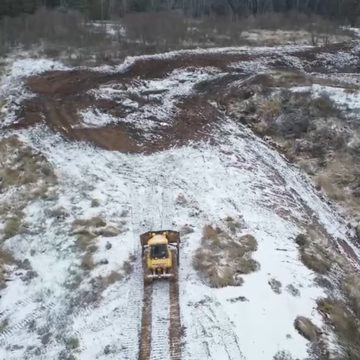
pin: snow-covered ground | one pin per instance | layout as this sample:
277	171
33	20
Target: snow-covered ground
343	98
161	93
238	176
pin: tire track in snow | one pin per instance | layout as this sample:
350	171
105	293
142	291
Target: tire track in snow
20	325
160	321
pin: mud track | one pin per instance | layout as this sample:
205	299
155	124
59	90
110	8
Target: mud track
60	97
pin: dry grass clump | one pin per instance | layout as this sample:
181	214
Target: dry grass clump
112	278
291	289
3	325
87	262
127	267
12	226
94	222
222	259
307	329
313	256
186	229
234	225
87	232
289	78
85	239
336	179
316	262
345	325
101	283
5	259
181	200
270	109
326	183
301	240
95	202
283	355
275	285
325	105
28	175
95	226
84	229
212	234
21	165
351	287
72	343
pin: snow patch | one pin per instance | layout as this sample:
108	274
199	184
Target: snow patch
95	118
343	98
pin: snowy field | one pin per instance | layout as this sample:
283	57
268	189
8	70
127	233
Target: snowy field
238	176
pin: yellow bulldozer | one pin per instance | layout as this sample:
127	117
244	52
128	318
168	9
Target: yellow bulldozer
160	251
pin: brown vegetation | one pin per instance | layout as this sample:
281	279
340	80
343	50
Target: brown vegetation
12	226
312	132
223	258
314	255
275	285
87	262
345	324
72	343
5	259
307	329
282	355
23	165
23	169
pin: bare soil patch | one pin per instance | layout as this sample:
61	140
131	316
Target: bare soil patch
62	95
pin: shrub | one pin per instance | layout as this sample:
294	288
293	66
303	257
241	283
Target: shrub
326	183
113	277
316	262
3	325
345	324
307	329
128	267
301	240
12	227
282	355
186	229
5	259
95	202
87	262
275	285
210	233
72	343
325	105
95	222
351	287
291	289
270	109
221	259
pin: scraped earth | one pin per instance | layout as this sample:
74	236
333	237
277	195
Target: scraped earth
149	145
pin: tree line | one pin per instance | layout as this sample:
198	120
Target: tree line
343	10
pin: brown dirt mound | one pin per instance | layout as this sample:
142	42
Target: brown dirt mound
61	95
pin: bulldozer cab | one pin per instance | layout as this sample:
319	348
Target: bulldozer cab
159	251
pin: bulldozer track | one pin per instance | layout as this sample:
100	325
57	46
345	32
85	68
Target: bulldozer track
161	327
145	336
175	323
